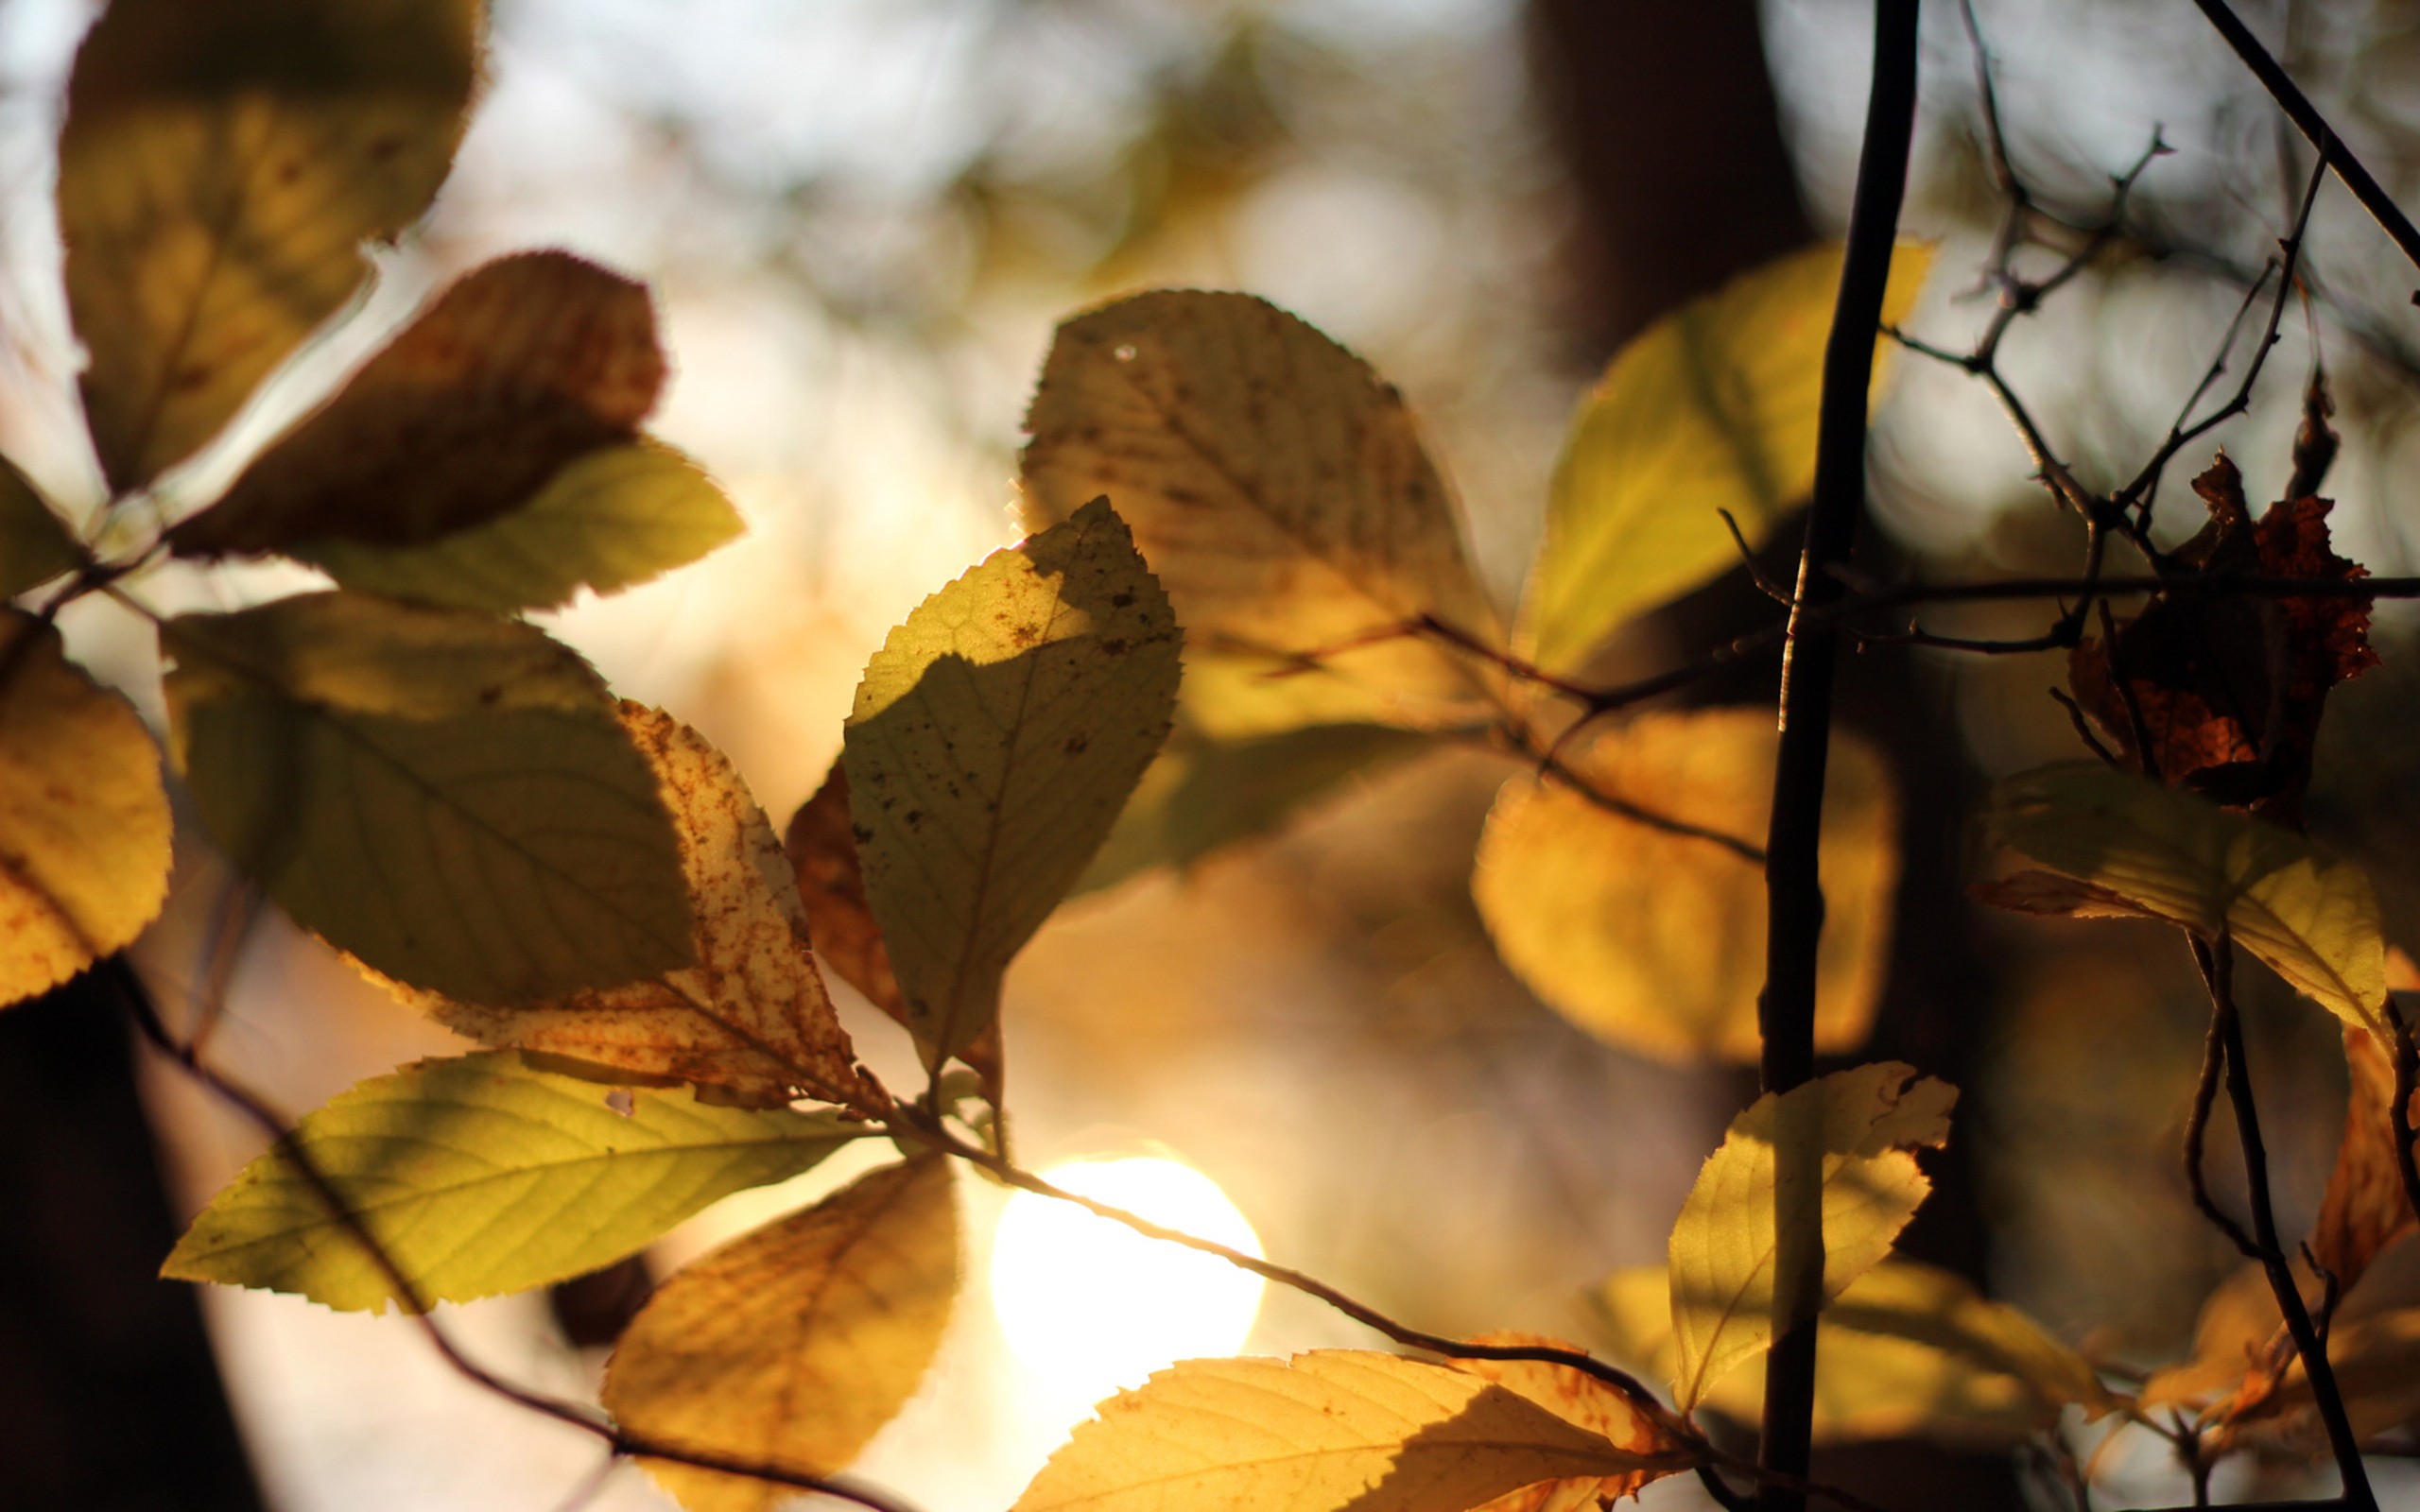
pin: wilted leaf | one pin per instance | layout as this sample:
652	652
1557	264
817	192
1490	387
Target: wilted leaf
446	794
35	546
220	168
616	516
1278	488
2365	1205
1711	408
482	1175
793	1344
83	821
1580	1399
822	849
1654	941
1204	794
1906	1351
1862	1124
1320	1433
522	365
2118	844
751	1019
995	736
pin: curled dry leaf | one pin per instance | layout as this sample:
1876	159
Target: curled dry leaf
822	849
1576	1397
751	1022
1859	1128
84	823
2365	1206
792	1344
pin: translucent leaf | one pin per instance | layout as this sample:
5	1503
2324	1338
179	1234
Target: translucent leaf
1711	408
994	738
221	166
522	365
1861	1123
1576	1398
751	1019
823	847
446	794
1329	1430
83	821
35	545
482	1175
2115	845
2364	1206
1205	794
793	1344
1277	486
1906	1351
616	516
1655	941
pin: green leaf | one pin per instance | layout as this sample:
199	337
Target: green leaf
522	365
446	794
994	738
1655	940
793	1345
1204	794
221	166
2115	845
616	516
1858	1128
484	1174
35	544
1711	408
84	823
1278	488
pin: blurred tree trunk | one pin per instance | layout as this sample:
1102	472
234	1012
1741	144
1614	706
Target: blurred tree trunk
1666	119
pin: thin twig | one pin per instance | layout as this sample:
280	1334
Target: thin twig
2197	1131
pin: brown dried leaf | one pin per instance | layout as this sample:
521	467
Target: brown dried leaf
1580	1399
2365	1205
822	842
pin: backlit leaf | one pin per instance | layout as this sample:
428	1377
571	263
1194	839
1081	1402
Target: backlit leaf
793	1344
35	545
221	166
616	516
1278	488
483	1174
2115	845
1654	941
2364	1206
994	738
751	1019
1860	1125
1320	1433
1576	1398
822	849
1711	408
446	794
83	821
522	365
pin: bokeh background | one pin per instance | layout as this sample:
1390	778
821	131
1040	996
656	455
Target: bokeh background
861	220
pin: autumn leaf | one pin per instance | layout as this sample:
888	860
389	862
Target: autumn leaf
1576	1398
1279	489
751	1022
1329	1430
2364	1206
522	365
482	1175
792	1344
1711	408
2114	845
220	168
35	545
1654	941
994	738
822	851
1862	1125
447	796
84	823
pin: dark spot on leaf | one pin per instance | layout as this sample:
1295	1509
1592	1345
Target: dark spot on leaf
1076	745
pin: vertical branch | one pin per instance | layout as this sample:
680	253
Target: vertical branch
1794	898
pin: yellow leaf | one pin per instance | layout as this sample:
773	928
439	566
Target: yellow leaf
1576	1397
751	1019
35	546
794	1343
1861	1124
1329	1430
1278	486
83	821
2119	845
994	738
522	365
1654	941
1713	407
220	168
445	794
